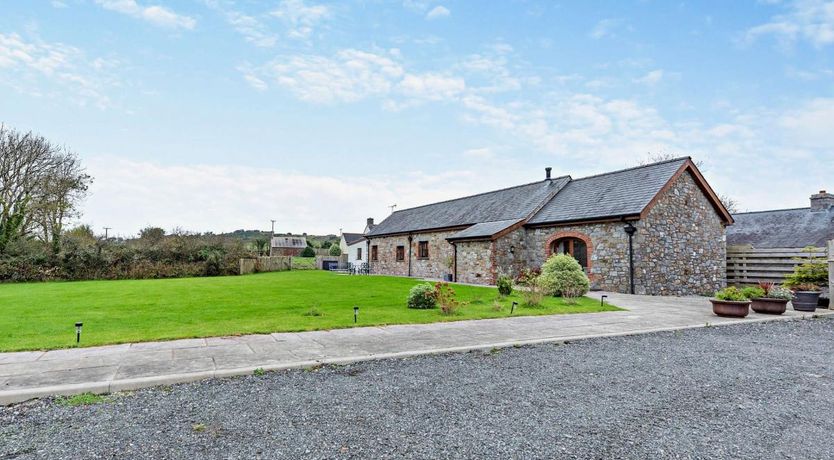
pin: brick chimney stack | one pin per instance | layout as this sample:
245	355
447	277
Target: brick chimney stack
822	201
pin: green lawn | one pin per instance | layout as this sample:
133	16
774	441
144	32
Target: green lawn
42	315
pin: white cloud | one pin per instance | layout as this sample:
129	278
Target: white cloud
28	64
437	12
651	78
605	28
349	76
811	125
480	153
253	30
301	19
431	86
126	195
811	20
156	15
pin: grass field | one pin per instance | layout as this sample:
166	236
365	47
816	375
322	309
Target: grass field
41	315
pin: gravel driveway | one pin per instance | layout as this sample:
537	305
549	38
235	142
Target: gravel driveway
750	391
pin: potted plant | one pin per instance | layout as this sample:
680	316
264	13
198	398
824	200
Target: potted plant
805	281
450	264
730	302
768	298
806	296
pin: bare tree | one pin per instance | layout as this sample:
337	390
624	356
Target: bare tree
41	185
730	203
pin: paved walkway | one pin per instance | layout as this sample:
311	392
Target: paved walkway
27	375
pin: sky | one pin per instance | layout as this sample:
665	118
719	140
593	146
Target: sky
216	115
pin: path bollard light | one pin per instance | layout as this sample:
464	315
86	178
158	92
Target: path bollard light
512	308
355	313
78	332
602	300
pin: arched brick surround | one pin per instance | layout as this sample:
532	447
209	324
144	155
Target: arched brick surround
578	235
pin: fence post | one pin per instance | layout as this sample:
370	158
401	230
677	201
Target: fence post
831	267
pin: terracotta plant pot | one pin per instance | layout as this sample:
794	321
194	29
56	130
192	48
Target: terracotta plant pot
806	300
769	306
730	309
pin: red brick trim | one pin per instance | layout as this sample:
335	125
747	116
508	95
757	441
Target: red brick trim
570	234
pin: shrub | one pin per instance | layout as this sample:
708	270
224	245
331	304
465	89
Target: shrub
505	285
568	284
731	294
445	296
813	271
563	276
335	250
753	292
526	276
422	297
533	292
779	292
308	252
561	263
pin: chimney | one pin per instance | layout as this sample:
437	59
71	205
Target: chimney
547	172
822	201
370	222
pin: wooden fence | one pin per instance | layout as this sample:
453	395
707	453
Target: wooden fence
746	265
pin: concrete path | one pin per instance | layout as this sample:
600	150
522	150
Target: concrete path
27	375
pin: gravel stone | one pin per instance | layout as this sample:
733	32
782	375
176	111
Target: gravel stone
753	391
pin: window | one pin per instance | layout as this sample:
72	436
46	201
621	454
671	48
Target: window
573	246
374	253
358	253
400	253
423	250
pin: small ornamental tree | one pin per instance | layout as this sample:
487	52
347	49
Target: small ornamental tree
335	250
308	252
563	276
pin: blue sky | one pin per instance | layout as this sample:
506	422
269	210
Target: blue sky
220	114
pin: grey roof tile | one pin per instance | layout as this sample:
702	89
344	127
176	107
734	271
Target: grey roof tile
506	204
617	193
484	229
351	238
785	228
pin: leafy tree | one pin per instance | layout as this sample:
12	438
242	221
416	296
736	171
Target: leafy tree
335	250
308	252
152	234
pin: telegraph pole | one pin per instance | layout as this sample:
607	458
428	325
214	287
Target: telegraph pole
271	236
392	207
106	232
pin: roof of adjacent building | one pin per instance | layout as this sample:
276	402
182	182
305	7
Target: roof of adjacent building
615	194
289	242
484	229
618	194
783	228
352	238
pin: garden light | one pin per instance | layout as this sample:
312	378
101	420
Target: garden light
512	308
355	313
78	332
602	300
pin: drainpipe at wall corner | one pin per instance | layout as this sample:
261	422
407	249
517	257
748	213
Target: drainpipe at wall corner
368	255
410	238
455	262
630	229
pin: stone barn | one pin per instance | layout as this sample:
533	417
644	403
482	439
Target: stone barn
657	229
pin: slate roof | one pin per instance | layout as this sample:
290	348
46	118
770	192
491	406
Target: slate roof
611	195
351	238
289	242
785	228
619	193
484	229
505	204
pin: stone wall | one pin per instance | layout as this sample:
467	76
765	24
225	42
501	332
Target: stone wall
509	256
435	266
680	247
607	251
475	262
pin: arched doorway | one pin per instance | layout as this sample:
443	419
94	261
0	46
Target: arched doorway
572	246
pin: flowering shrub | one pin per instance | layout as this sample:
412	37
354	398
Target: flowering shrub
422	297
445	297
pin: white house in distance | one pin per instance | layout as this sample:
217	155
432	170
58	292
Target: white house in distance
355	245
